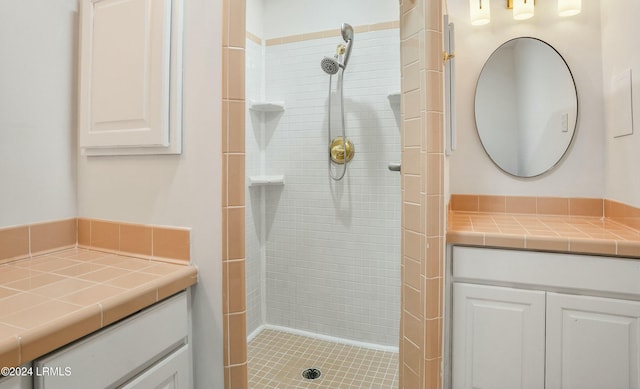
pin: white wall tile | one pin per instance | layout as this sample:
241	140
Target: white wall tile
254	90
333	248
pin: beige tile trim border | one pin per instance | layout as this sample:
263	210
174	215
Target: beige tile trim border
254	38
167	244
622	213
325	34
25	241
561	206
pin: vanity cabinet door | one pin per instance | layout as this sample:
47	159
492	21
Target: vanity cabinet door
170	373
16	382
592	342
498	337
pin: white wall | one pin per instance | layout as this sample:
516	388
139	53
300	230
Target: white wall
255	17
581	173
620	31
179	190
293	17
37	110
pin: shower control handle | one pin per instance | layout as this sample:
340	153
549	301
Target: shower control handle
395	166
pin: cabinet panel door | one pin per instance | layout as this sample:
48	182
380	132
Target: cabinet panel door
126	58
498	337
17	382
170	373
130	77
592	342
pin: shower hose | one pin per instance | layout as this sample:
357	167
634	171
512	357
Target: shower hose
337	177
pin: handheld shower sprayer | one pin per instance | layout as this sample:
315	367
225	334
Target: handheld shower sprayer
330	65
341	149
347	35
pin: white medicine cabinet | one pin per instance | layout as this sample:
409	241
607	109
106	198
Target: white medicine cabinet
130	98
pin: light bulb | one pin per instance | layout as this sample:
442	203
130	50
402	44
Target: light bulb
479	12
569	7
522	9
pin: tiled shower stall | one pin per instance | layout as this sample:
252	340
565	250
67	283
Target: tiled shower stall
323	255
421	183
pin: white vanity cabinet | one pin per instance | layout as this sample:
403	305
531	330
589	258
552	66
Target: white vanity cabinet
170	373
17	382
498	337
150	349
592	342
524	319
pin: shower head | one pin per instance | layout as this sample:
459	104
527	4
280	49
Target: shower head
330	65
347	35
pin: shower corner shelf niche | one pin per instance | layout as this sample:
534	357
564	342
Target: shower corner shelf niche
263	180
267	106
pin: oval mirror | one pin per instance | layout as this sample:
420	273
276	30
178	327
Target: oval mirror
526	107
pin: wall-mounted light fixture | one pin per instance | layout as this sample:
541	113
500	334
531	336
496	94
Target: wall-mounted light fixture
522	9
480	10
569	7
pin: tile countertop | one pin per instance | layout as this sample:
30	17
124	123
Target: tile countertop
51	300
571	234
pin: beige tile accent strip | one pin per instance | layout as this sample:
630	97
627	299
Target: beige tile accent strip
51	300
326	33
50	236
170	244
254	38
34	239
14	243
568	206
622	213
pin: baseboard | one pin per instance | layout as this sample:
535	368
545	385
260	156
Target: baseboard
371	346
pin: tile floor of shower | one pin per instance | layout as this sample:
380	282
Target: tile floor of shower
277	360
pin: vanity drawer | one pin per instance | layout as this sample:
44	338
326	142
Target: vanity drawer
114	355
547	270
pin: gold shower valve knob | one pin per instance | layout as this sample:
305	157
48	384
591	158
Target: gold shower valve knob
337	150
